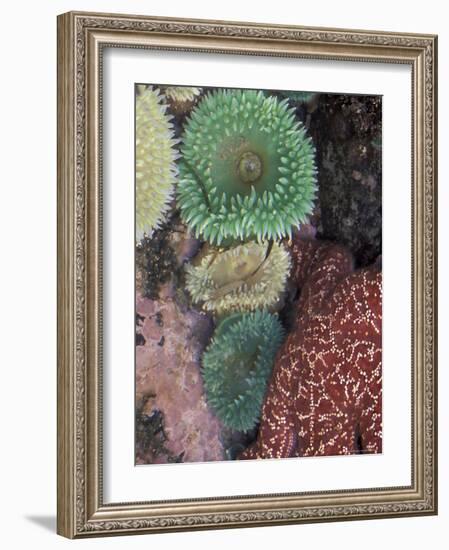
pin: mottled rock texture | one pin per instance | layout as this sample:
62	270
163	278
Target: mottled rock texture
347	133
174	420
325	394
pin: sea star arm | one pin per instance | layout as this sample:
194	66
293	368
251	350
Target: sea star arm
277	437
325	394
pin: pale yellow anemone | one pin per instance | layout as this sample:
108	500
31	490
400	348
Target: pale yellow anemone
156	153
243	278
182	93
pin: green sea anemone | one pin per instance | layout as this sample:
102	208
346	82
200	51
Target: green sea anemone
237	365
156	153
299	97
182	94
243	278
248	169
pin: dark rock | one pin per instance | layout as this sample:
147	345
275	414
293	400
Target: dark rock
347	132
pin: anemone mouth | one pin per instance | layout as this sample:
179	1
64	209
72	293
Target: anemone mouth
231	268
248	168
241	161
243	278
237	365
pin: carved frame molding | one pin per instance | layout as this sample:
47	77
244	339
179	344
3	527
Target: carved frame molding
81	39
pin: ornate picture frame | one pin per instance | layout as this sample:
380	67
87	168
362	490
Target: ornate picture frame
82	39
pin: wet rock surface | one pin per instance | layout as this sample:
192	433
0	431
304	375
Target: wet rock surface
174	422
347	133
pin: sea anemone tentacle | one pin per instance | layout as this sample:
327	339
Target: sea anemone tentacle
242	278
248	168
156	153
182	94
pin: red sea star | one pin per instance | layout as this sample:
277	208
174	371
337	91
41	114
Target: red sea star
325	394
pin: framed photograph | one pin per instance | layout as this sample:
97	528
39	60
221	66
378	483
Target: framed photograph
246	274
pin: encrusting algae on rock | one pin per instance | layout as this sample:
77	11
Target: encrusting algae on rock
170	341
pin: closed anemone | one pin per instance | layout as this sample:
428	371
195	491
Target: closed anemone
243	278
248	168
237	364
156	153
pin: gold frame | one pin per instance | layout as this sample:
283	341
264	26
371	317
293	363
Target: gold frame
81	38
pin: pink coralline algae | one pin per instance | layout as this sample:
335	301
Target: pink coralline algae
325	394
170	340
